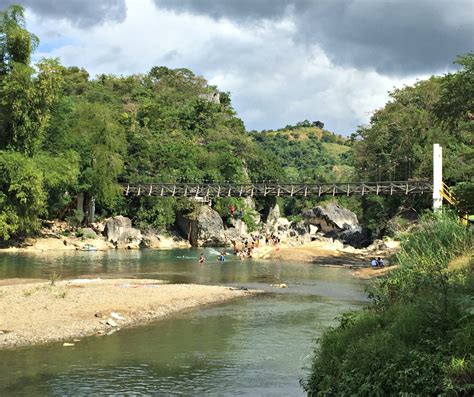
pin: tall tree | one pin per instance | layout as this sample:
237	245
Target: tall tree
26	94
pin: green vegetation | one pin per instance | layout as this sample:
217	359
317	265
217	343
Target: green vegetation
417	336
68	141
67	138
307	153
398	142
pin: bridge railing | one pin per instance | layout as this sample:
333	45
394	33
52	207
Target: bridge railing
210	190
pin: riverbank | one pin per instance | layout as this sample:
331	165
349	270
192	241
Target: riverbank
38	312
326	253
53	242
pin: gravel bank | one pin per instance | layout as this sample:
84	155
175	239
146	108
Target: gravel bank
34	313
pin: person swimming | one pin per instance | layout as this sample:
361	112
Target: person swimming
202	259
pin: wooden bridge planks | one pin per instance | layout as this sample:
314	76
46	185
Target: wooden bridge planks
213	190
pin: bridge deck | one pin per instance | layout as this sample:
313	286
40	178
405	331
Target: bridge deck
211	190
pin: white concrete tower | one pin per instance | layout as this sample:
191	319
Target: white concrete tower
437	176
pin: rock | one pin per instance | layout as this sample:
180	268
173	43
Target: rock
98	227
151	240
377	245
273	214
332	217
117	316
232	234
338	223
203	228
130	239
66	344
115	227
111	322
313	230
213	97
88	232
240	226
282	285
301	228
282	224
249	202
120	232
98	315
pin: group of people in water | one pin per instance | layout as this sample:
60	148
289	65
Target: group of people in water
377	262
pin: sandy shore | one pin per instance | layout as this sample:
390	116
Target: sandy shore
37	312
314	252
72	243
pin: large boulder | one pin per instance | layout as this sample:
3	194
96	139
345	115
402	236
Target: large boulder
115	226
119	231
202	228
338	223
130	239
331	217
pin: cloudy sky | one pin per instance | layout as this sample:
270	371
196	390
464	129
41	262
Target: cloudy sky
282	60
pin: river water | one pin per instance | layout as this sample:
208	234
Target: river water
256	346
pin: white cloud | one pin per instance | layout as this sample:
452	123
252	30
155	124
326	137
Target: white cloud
273	80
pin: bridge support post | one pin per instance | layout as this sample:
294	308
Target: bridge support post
437	176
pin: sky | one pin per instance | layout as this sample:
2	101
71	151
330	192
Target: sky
283	61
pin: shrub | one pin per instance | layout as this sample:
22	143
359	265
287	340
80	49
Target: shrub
417	336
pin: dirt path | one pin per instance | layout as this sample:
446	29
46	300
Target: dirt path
36	312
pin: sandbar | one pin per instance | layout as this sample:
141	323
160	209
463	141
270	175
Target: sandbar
38	312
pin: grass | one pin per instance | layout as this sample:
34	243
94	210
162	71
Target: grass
417	336
53	278
462	261
335	149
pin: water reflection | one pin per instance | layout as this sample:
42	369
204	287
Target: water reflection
253	346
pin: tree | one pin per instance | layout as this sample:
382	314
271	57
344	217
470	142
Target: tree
16	43
26	95
100	143
22	197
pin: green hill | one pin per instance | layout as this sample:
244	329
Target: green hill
308	153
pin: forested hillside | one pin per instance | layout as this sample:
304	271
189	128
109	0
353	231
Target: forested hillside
66	135
68	139
307	152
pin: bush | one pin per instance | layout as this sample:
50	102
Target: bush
417	336
75	219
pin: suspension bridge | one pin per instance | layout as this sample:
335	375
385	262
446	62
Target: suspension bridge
276	189
207	191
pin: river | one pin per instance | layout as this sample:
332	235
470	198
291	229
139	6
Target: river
257	346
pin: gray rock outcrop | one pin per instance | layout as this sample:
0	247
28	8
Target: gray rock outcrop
331	217
273	214
203	228
119	231
130	239
213	97
115	226
337	222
